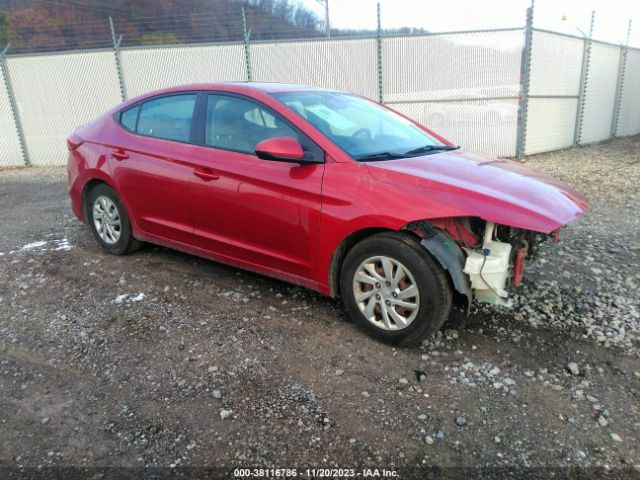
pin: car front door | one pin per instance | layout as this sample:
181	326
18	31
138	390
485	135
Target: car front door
146	164
262	214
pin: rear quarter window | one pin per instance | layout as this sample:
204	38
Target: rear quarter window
129	117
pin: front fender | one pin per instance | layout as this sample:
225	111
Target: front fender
447	253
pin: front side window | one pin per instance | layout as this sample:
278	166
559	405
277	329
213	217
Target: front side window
236	124
361	128
168	117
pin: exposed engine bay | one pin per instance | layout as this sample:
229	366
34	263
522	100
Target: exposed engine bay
499	260
494	259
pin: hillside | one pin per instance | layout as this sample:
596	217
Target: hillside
45	25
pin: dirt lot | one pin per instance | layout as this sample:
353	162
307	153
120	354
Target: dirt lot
160	359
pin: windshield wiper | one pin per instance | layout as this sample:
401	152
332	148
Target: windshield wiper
431	148
372	157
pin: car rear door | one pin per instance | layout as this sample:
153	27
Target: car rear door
147	165
262	214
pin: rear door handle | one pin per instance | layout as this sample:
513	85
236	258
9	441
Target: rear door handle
206	176
119	155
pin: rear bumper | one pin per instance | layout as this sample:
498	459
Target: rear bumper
75	187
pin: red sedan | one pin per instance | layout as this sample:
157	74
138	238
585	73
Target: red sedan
324	189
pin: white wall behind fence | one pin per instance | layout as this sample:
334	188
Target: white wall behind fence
58	93
556	64
550	124
482	126
600	94
347	65
455	84
556	67
629	120
448	66
10	153
147	69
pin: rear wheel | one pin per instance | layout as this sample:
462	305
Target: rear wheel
109	221
393	289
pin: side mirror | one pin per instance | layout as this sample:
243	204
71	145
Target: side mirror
283	149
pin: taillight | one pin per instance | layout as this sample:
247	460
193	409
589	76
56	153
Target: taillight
74	141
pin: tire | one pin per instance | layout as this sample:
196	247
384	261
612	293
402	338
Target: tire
457	319
432	303
102	198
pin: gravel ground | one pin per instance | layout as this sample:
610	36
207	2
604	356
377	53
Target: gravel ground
162	360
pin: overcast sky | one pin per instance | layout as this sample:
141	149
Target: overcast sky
612	16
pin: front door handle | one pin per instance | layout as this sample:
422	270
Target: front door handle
119	155
206	176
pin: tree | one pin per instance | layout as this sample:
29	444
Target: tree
4	29
40	25
157	39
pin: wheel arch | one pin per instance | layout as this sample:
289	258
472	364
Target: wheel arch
446	251
341	251
100	178
440	245
88	186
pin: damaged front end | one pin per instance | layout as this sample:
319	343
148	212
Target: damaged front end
500	261
483	259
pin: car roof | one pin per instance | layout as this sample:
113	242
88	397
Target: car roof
247	88
270	87
237	87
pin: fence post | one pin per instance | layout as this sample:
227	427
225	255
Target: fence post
247	49
584	78
525	71
624	52
379	55
116	53
14	106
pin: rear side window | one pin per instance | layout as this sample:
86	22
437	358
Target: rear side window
129	117
169	117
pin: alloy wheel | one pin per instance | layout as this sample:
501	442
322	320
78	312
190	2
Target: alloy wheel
106	219
386	293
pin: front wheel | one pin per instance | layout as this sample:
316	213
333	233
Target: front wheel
393	289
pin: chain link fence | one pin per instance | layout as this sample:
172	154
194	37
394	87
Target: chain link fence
146	69
10	150
506	92
348	65
629	119
464	85
554	90
600	94
56	93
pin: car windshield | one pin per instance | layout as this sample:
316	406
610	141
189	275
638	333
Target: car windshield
363	129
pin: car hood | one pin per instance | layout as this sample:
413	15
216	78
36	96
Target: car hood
498	190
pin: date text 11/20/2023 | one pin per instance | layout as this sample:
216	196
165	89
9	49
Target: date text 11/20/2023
314	473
